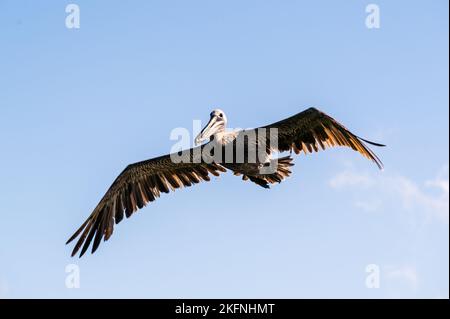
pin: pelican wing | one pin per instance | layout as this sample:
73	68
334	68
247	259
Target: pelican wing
311	130
137	185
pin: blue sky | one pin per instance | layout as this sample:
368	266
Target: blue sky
78	105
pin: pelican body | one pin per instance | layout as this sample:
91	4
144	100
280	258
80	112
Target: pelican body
247	153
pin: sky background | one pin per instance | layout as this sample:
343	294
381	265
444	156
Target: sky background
78	105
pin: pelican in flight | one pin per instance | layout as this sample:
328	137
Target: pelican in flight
140	183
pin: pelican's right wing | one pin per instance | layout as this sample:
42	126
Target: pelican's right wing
137	185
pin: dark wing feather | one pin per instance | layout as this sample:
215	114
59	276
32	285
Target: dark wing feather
312	130
137	185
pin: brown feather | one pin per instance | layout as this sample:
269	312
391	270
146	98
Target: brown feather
311	129
137	185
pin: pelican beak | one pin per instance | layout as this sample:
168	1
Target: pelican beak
209	130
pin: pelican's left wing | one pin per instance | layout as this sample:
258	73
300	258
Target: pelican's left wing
137	185
312	129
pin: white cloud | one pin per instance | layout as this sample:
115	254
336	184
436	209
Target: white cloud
349	178
441	181
430	197
368	206
404	275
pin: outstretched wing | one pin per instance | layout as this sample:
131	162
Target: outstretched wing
312	129
137	185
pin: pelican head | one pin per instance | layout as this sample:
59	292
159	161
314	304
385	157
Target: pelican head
217	124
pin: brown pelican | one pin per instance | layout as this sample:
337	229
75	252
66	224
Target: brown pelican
144	181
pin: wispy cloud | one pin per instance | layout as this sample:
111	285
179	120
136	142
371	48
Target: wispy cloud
430	197
441	180
404	275
368	206
351	179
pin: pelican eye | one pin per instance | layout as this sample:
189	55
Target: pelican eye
220	115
